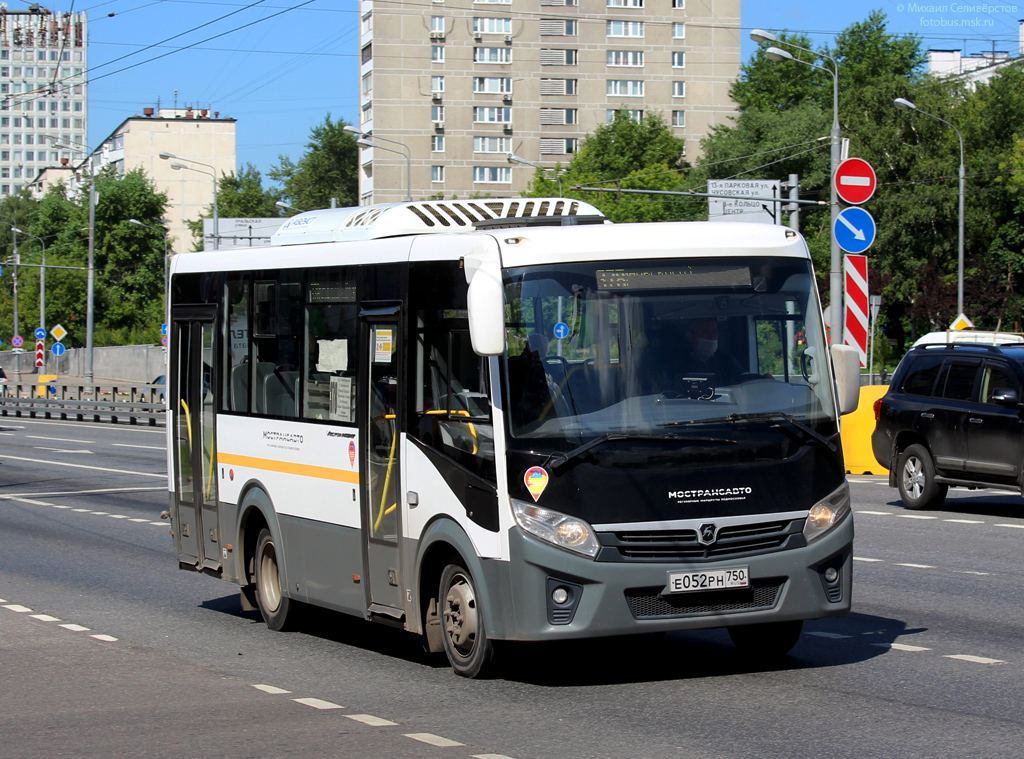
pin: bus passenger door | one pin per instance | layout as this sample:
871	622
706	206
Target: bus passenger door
197	531
381	511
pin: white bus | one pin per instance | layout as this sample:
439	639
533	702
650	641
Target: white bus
492	420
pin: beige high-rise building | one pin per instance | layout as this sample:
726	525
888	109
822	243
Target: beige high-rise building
450	88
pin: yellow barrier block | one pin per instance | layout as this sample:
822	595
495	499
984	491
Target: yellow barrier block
44	388
856	433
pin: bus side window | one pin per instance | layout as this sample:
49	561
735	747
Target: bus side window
235	395
332	326
277	348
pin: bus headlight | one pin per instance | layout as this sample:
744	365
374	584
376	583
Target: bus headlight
558	529
827	513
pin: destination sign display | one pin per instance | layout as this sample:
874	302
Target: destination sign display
673	278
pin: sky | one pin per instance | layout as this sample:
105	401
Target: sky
279	66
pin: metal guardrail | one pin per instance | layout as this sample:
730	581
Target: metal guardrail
84	402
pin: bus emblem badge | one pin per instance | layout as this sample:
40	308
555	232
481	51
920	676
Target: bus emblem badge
536	480
707	533
352	452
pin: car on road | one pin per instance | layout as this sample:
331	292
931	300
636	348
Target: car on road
953	417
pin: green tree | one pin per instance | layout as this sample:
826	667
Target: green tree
18	210
239	196
328	169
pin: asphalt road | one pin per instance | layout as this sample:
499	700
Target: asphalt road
106	649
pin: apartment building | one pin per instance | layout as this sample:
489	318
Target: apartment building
449	88
43	64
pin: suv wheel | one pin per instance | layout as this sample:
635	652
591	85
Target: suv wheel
915	478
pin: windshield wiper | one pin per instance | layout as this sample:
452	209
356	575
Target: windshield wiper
558	459
765	416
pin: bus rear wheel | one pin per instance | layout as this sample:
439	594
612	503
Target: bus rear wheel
768	640
469	651
275	607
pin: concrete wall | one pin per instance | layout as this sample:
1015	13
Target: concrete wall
131	363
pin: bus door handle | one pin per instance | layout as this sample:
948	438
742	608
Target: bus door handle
975	420
413	499
926	415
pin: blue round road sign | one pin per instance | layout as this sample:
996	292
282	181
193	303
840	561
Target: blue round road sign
854	230
58	349
40	333
561	330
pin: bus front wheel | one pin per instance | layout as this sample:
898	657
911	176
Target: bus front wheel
469	650
768	640
275	607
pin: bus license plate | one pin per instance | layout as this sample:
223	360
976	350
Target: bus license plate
712	579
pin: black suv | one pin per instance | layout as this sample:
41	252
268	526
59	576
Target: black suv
952	417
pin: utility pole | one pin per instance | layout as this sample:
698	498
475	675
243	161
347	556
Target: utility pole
794	205
91	279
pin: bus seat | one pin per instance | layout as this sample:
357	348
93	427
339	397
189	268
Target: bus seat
240	387
280	393
263	369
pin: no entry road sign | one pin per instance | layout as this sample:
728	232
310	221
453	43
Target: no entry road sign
855	181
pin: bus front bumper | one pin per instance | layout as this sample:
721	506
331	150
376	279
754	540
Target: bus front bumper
621	598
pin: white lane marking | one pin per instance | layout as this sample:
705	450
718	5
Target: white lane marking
1015	526
433	740
45	618
875	513
105	638
100	513
490	756
833	636
915	566
864	558
974	659
58	506
147	447
317	703
369	719
901	647
78	426
158	524
914	516
138	519
79	492
118	516
273	690
58	439
964	521
75	628
7	434
18	608
967	572
3	600
31	501
83	466
80	510
64	450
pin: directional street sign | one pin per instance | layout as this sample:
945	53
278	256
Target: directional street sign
855	181
17	342
40	333
163	330
58	349
854	230
40	352
59	333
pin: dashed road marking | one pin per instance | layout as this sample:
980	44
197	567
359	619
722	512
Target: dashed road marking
974	659
147	447
271	689
964	521
875	513
104	638
100	513
915	516
18	608
45	618
865	558
118	516
968	572
369	719
901	646
915	566
490	756
91	467
138	519
58	439
75	628
1015	526
833	636
317	703
433	740
158	524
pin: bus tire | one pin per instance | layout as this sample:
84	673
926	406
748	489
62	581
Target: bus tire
275	607
466	645
768	640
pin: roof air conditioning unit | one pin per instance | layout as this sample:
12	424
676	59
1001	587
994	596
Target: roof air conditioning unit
437	35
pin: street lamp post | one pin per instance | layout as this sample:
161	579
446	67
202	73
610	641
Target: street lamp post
42	278
213	173
513	158
908	106
363	138
167	259
835	274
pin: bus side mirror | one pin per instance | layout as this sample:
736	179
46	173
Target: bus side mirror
846	363
486	307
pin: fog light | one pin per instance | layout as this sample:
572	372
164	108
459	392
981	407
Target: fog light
560	596
831	574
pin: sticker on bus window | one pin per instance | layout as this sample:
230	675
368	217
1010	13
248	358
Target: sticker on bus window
536	480
341	399
383	345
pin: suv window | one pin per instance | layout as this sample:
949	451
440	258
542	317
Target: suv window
996	376
921	375
959	380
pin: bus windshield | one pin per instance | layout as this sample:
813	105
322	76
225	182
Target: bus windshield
662	348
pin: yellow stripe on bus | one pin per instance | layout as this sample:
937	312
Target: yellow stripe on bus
307	470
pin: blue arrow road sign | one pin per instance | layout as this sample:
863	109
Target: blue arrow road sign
163	329
561	330
58	349
854	230
40	333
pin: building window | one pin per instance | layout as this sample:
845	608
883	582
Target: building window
678	30
635	114
368	84
678	118
678	60
437	143
493	85
366	113
437	84
631	58
366	54
492	55
492	25
367	23
557	57
493	2
632	88
624	28
492	144
437	173
678	89
558	145
558	27
437	113
492	174
625	3
555	116
437	53
679	4
557	86
437	24
489	114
